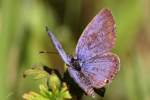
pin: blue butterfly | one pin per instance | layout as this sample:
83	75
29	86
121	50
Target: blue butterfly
94	65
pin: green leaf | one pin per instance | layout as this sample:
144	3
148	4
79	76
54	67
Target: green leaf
54	82
37	72
64	91
33	96
55	90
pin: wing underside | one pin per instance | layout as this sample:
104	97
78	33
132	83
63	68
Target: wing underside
58	47
98	36
82	81
101	69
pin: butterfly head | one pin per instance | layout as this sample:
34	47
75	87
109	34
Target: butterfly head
75	63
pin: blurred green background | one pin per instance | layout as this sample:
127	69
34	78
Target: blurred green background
22	36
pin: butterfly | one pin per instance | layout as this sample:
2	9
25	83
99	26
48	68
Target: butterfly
94	65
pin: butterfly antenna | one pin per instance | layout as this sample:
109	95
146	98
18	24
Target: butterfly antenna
47	52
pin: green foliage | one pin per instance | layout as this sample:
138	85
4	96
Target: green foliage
37	72
55	89
45	94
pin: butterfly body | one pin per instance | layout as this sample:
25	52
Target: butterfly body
75	63
94	65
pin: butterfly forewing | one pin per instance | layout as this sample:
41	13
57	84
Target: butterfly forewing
59	48
101	69
98	36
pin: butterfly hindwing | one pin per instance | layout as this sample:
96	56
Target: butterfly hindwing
101	69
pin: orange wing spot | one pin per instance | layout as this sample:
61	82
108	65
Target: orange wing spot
106	81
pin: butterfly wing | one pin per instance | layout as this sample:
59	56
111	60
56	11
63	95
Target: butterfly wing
59	48
98	36
82	81
101	69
